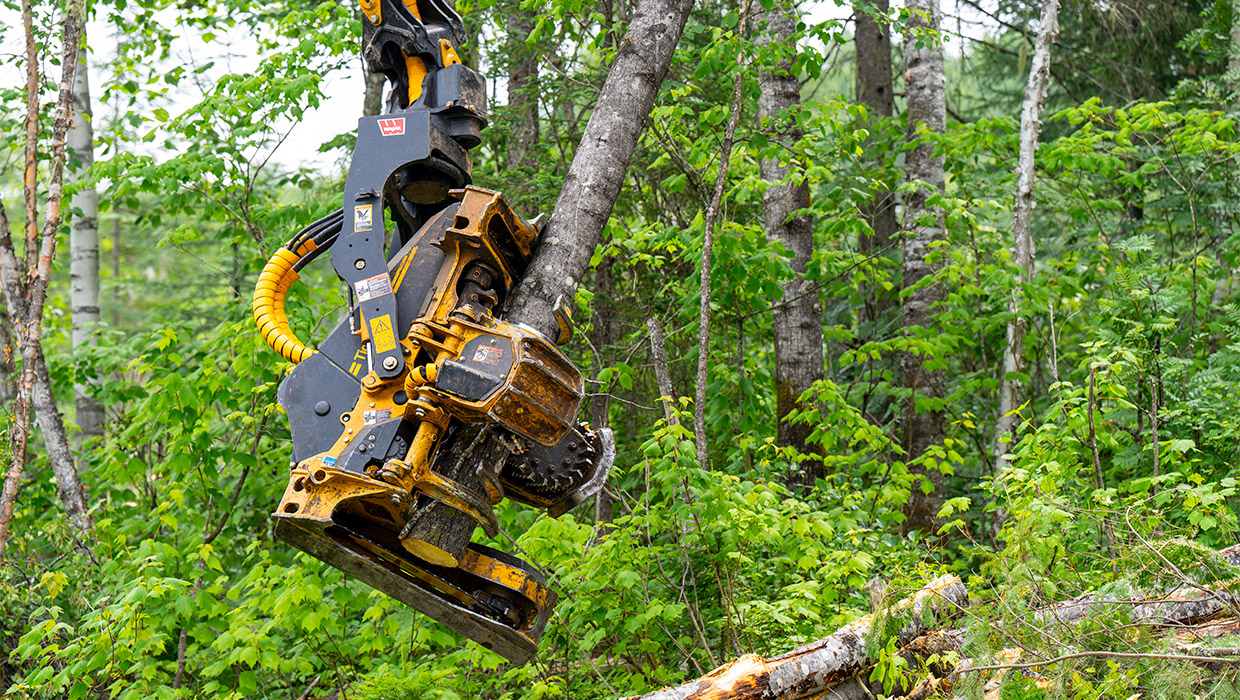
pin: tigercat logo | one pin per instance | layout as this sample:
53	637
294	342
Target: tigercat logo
392	127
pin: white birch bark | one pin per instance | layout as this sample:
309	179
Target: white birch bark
84	244
1023	245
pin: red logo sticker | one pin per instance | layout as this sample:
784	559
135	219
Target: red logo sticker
392	127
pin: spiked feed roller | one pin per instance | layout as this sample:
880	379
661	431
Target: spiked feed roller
423	407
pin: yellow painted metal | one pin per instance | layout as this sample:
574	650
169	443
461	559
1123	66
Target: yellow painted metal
448	53
484	230
314	496
416	69
372	10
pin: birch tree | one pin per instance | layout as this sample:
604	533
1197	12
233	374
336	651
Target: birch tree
24	281
84	243
922	419
797	321
1023	244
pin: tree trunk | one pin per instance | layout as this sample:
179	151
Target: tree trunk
598	169
522	98
823	668
1233	56
56	441
372	98
662	377
797	320
602	159
874	90
923	224
8	369
1023	246
24	282
84	246
602	337
708	244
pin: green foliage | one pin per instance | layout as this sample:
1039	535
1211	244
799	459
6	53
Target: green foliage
1132	314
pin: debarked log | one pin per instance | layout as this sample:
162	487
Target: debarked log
810	670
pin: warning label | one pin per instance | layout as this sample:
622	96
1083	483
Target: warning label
372	287
374	416
363	217
489	355
382	335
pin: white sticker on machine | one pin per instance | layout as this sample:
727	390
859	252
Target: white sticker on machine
488	355
372	287
372	417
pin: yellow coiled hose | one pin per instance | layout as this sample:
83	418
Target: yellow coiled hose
269	294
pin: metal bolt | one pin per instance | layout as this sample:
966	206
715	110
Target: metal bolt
389	363
372	404
374	19
359	264
349	431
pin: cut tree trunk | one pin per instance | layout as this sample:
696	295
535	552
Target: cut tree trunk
923	226
797	319
874	90
84	246
597	172
810	670
1023	245
601	161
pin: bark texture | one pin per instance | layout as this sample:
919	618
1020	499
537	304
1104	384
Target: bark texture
84	245
923	233
836	667
598	168
596	173
1233	57
372	98
874	89
663	377
1022	231
828	664
797	319
24	282
56	442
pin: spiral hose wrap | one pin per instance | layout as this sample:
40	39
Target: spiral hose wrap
269	295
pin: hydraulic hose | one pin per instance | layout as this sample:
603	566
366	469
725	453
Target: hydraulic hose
269	295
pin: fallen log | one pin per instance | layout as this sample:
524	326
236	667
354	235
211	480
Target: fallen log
811	669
